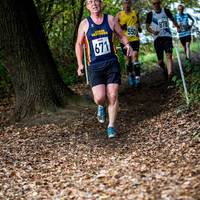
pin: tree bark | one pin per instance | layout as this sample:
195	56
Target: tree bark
27	58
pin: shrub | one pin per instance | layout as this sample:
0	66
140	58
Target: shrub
68	74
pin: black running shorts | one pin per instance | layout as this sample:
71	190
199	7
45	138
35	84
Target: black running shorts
104	73
163	44
185	39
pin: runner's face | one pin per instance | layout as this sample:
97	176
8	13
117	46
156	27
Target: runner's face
127	6
94	6
156	5
180	9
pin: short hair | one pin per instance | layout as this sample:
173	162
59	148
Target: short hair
126	1
181	5
156	0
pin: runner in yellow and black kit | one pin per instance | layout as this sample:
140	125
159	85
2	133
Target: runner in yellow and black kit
129	22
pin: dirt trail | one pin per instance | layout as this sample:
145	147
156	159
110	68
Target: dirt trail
155	156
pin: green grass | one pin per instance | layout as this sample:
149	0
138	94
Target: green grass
195	46
149	62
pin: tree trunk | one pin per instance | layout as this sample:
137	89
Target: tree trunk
27	57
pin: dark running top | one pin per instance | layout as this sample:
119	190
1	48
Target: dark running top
99	42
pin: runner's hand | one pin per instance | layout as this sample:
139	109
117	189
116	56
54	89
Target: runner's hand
178	28
190	27
129	50
80	70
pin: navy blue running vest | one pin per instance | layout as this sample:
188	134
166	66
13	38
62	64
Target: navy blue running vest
99	42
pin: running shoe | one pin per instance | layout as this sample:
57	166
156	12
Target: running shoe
137	81
101	114
131	80
111	132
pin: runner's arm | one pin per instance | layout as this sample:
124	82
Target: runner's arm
139	25
117	17
122	37
171	17
189	16
148	23
79	47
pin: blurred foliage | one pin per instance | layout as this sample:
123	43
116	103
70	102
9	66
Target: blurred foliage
192	74
69	76
60	19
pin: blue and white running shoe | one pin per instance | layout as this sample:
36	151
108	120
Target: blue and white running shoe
131	80
111	132
137	81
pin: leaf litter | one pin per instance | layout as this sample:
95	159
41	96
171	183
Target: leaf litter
155	156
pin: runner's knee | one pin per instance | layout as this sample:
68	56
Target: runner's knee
99	99
112	97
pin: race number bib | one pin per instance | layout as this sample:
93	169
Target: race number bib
163	23
101	46
132	31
